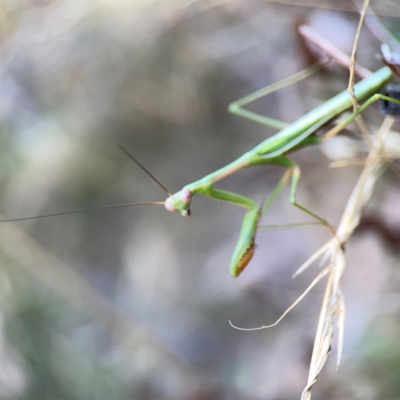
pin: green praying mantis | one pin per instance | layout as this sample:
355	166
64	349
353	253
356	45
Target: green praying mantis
272	151
275	150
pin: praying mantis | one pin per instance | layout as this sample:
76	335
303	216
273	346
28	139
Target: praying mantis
275	151
272	151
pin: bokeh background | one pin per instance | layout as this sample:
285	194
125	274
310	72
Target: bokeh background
134	303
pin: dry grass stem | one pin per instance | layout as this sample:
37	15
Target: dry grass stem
293	305
352	79
334	305
355	162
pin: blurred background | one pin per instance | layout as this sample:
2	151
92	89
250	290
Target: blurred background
134	303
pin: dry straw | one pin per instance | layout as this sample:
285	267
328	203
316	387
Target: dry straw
333	306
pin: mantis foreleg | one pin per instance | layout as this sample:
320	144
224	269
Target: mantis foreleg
244	249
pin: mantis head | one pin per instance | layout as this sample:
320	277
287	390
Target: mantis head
180	202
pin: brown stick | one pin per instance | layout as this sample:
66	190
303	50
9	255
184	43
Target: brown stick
331	50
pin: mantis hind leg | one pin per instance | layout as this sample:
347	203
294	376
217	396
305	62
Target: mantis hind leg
237	106
294	172
295	182
290	173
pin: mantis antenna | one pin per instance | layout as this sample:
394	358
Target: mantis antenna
101	207
145	170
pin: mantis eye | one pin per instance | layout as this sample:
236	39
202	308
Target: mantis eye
186	196
168	205
387	107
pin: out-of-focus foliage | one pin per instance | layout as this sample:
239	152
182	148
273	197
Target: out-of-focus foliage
134	303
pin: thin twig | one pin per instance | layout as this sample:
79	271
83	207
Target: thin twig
352	79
